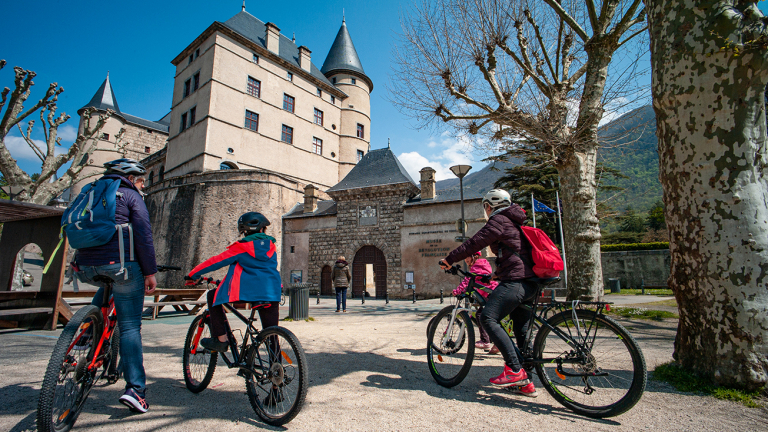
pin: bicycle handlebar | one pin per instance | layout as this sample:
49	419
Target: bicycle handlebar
201	280
454	270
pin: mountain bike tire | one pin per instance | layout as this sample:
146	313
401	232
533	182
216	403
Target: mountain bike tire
613	352
57	374
199	367
448	365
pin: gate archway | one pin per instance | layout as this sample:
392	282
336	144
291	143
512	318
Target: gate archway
326	284
369	255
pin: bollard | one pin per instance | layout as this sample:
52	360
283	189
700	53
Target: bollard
386	298
363	297
318	297
414	296
441	296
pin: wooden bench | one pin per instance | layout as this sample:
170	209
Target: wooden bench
178	298
644	286
547	296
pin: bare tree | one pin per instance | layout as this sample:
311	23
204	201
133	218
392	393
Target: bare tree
42	190
533	77
709	61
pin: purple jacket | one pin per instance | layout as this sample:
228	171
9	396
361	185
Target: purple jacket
129	208
502	233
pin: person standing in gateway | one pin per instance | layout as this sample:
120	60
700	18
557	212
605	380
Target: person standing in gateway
341	278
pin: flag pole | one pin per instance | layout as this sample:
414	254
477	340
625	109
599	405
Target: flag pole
562	239
533	208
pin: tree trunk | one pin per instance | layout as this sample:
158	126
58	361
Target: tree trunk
708	95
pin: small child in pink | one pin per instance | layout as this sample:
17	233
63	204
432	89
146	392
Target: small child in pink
479	266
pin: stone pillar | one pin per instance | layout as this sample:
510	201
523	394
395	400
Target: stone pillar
427	183
310	198
305	58
273	38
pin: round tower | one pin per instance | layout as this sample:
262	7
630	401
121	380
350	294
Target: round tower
343	68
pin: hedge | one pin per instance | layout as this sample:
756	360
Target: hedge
634	246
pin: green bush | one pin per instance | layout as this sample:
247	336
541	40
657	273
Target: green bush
634	246
622	238
686	381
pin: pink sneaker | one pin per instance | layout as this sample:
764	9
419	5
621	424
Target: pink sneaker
483	345
526	390
509	377
493	350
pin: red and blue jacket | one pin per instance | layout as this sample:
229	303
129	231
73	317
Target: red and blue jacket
252	274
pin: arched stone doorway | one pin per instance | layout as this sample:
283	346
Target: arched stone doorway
369	255
326	284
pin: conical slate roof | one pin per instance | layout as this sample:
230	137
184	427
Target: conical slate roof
377	168
342	56
104	98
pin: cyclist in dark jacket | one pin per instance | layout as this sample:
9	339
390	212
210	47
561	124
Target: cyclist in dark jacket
128	289
341	277
514	265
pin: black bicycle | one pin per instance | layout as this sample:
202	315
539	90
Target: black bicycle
587	361
272	362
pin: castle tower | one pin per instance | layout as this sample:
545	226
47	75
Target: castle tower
342	66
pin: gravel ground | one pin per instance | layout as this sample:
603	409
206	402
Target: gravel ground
368	372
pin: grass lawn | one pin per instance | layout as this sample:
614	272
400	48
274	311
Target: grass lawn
642	313
685	381
659	292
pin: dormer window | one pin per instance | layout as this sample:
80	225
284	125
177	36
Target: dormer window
290	76
256	59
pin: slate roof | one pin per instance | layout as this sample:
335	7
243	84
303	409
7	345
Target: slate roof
105	99
377	168
255	30
324	208
342	57
447	195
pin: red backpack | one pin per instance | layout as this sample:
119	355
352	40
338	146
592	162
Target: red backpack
547	262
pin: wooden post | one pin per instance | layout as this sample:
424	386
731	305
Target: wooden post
60	306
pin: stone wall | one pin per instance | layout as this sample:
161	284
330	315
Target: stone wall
631	267
195	216
140	142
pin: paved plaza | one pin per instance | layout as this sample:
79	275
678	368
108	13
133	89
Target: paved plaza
368	372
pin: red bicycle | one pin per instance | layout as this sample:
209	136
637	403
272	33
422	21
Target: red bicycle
86	352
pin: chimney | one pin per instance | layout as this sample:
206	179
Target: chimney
310	198
273	38
305	58
427	183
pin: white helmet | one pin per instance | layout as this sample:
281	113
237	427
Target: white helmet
497	198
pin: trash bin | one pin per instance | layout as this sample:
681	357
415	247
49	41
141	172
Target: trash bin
298	306
615	285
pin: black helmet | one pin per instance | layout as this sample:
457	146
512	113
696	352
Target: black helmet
252	222
125	166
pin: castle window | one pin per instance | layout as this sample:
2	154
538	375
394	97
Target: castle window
360	131
254	87
151	177
288	102
287	135
317	145
318	117
227	166
289	75
333	99
293	249
197	82
251	120
197	53
105	136
256	59
319	92
354	81
183	123
187	87
334	80
191	57
192	115
360	155
147	149
161	174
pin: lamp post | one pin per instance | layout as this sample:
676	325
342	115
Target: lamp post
460	171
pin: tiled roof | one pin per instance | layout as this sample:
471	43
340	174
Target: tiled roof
342	57
377	168
105	99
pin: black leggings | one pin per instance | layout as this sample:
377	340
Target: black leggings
269	316
503	301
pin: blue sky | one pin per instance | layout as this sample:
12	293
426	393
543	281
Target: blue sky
135	41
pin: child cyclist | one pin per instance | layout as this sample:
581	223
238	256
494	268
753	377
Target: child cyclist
514	266
252	277
478	265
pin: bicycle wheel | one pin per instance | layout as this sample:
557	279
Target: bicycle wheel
450	348
282	299
605	349
198	367
67	381
277	393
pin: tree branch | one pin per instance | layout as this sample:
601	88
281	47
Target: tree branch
627	21
537	31
641	31
28	139
592	14
568	19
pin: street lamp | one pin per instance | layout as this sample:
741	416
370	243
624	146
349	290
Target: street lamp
460	171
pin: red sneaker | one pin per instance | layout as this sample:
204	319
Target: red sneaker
526	390
509	377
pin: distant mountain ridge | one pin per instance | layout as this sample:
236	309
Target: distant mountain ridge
477	183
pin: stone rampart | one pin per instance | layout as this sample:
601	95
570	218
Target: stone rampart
631	267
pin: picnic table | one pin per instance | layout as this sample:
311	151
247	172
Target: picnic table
178	298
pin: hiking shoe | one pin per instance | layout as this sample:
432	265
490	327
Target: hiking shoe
337	311
527	390
483	345
214	344
135	401
509	377
493	350
273	398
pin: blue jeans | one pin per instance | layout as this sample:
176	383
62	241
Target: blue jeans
341	298
128	295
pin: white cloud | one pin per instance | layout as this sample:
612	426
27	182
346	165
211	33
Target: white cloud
448	151
68	133
20	149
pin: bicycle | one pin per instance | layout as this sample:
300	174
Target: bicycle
587	361
272	361
89	341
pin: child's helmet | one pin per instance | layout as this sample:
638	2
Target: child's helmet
497	198
252	222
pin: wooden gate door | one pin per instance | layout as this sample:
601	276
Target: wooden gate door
369	255
326	284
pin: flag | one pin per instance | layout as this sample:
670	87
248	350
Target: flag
539	207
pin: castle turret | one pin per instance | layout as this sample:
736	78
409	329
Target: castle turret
343	68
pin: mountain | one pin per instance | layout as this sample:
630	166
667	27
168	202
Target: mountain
476	183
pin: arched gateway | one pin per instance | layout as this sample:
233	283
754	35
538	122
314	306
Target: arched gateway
326	284
375	257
